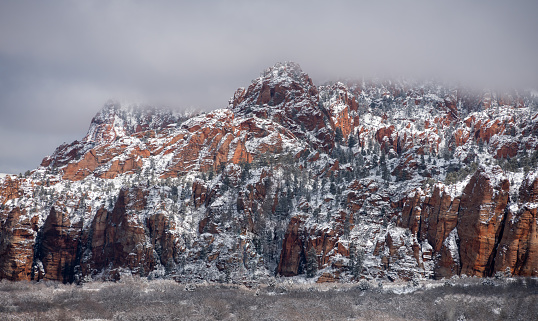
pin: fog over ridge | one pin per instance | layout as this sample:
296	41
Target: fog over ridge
60	61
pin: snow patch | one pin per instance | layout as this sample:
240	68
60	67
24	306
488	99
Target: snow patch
451	243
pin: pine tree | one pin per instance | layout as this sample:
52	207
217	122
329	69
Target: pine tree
356	259
267	205
174	193
315	214
283	205
311	263
225	182
347	226
332	188
338	136
245	171
351	142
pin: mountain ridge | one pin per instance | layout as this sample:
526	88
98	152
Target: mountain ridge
333	183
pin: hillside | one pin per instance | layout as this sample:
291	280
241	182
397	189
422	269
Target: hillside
389	180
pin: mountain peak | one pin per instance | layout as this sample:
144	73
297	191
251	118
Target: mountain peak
282	84
117	119
288	69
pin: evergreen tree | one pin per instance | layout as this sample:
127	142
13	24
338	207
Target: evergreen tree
332	188
338	136
356	259
225	182
174	193
347	225
385	174
283	206
315	214
267	205
351	142
245	171
311	263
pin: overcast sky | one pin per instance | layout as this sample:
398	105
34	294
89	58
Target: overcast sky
61	60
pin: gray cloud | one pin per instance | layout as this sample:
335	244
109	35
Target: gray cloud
61	60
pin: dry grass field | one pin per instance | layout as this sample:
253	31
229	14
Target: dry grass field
139	299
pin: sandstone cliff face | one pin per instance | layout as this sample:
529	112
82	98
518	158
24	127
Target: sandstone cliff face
299	240
480	236
481	221
517	251
375	179
433	220
292	257
118	239
465	231
203	144
113	241
57	248
10	189
161	231
17	245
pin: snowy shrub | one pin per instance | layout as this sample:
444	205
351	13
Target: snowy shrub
487	282
364	285
190	287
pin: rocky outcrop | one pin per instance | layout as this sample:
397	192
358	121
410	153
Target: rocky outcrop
117	239
461	136
400	255
295	103
485	129
292	257
465	231
63	251
433	219
448	261
451	106
528	192
326	244
9	189
57	248
78	170
481	221
517	251
18	235
162	237
343	109
506	150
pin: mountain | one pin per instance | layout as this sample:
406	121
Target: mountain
391	180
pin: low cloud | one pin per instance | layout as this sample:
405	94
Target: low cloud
61	60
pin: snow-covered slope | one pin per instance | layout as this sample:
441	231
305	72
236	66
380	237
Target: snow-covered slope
336	182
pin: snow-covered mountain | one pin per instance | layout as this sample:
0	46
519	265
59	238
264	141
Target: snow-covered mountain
335	182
